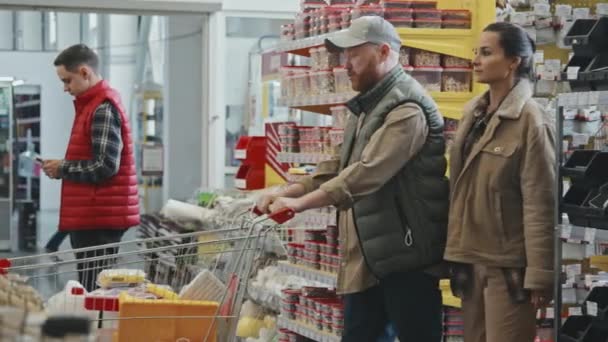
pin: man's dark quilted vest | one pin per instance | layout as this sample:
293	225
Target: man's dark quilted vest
402	227
114	203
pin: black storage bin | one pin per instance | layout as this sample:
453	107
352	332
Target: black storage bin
596	173
578	163
587	36
576	205
598	295
595	334
574	328
582	83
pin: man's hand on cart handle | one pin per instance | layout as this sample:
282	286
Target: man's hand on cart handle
264	202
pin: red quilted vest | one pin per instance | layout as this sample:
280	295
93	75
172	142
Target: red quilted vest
114	203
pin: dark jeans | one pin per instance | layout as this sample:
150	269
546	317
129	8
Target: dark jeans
88	271
55	241
411	301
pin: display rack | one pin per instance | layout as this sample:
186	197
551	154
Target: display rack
307	331
316	276
302	158
589	231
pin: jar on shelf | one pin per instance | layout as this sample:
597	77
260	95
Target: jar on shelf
428	77
301	82
335	19
341	2
327	60
325	81
346	18
427	14
398	13
363	11
404	55
422	58
423	4
402	23
287	32
428	23
302	28
314	59
339	116
456	14
334	28
454	62
456	79
392	4
342	81
456	24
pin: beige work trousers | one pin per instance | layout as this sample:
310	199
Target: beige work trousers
491	316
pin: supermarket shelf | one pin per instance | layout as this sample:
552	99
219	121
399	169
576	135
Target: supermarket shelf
27	104
309	274
301	46
317	104
264	298
451	42
307	331
28	121
451	104
302	158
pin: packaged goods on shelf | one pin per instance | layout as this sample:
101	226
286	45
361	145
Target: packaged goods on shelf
428	23
346	18
401	23
341	2
392	4
456	79
323	81
422	58
454	62
398	13
423	4
326	59
363	11
316	307
342	81
456	24
339	115
404	55
427	14
302	27
429	77
456	15
288	32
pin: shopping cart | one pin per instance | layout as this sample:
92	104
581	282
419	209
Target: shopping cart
210	269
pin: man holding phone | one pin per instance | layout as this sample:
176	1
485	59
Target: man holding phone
99	197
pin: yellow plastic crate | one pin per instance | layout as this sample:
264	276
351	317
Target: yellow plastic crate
160	320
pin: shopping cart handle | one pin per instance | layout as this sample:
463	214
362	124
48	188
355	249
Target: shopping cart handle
279	217
282	215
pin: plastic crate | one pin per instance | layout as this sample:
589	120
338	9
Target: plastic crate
599	296
582	83
163	320
576	205
577	165
574	328
587	36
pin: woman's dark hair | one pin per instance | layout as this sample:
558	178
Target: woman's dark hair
516	42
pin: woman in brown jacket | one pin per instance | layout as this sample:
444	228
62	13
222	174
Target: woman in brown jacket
502	195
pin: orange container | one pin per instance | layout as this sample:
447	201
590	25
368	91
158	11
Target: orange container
145	326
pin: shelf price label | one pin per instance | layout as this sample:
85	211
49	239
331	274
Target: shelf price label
572	72
575	311
592	308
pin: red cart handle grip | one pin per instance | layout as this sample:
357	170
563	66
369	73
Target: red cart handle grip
279	217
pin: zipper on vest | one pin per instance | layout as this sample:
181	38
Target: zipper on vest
361	245
409	238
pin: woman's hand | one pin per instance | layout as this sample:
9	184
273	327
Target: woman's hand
541	298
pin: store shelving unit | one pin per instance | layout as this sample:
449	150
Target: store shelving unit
563	232
320	277
307	331
302	158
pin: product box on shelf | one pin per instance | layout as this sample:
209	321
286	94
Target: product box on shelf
429	77
457	79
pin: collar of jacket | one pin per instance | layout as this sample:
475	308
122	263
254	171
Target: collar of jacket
511	106
84	98
366	102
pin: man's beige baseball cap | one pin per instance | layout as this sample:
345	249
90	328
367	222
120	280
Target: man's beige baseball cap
368	29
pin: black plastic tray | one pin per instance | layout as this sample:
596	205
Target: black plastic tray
588	36
574	328
576	204
582	83
598	295
576	166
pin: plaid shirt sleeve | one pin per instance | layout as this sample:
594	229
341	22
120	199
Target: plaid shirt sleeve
107	147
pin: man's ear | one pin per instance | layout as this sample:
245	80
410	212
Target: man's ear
385	51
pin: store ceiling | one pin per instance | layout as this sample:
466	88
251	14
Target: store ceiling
164	7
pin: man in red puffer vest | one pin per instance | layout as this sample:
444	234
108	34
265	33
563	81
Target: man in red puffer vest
99	198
